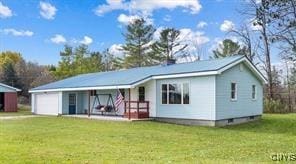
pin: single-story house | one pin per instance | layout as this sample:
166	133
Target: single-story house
207	92
8	98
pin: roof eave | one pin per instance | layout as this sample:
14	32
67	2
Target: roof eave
81	88
10	87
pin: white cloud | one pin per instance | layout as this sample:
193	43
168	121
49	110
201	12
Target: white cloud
111	5
201	24
126	19
157	32
116	50
14	32
144	6
58	39
227	25
47	10
193	38
86	40
5	12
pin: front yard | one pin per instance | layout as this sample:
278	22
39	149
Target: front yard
70	140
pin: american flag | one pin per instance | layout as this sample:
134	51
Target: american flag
119	99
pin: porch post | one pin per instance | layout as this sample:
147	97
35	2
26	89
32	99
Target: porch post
138	110
129	103
88	112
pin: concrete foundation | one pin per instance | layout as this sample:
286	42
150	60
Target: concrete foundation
218	123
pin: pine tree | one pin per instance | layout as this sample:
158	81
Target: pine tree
227	48
65	67
138	39
168	45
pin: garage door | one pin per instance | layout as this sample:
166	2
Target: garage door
47	103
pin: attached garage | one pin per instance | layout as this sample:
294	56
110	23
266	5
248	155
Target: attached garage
47	103
8	98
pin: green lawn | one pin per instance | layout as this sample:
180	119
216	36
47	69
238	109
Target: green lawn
70	140
23	110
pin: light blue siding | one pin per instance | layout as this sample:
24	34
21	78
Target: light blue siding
244	105
65	109
5	89
202	99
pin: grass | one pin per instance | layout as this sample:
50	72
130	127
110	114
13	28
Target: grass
22	110
70	140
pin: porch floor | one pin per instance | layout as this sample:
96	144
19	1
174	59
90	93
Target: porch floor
105	118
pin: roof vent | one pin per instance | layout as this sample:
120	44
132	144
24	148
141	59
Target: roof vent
169	62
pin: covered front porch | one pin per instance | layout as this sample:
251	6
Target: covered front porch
135	104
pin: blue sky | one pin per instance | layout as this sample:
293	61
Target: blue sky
39	29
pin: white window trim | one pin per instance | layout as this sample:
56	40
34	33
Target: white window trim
168	93
235	94
255	98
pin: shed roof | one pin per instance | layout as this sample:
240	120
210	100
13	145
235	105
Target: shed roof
135	75
7	88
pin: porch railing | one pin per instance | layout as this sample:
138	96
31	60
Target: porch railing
136	109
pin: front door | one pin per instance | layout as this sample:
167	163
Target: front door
72	103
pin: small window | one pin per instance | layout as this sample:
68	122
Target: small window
254	92
72	99
185	93
252	117
141	94
164	93
233	91
230	120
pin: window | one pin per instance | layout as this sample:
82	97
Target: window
185	93
141	94
176	93
164	93
72	99
233	91
254	92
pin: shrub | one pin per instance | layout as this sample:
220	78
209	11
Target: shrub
275	106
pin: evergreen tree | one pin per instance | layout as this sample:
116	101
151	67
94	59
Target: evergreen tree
65	66
138	39
168	45
228	48
81	64
79	60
